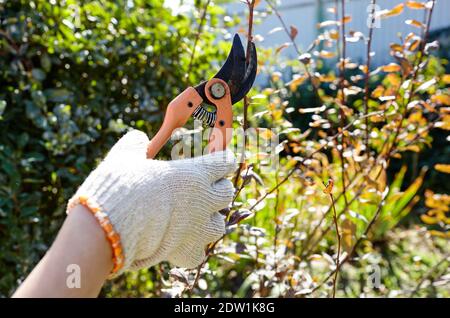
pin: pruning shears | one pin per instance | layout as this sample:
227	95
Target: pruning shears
227	87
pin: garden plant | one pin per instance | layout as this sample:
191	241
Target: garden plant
356	204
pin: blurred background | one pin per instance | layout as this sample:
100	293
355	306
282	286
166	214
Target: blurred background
75	75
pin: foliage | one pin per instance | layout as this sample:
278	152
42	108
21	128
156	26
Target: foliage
73	78
76	75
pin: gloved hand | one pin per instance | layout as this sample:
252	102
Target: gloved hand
156	210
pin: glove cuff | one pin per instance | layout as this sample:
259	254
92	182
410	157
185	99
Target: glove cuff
103	220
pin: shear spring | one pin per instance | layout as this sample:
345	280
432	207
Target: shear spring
206	116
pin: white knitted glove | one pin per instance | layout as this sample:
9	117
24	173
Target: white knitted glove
162	210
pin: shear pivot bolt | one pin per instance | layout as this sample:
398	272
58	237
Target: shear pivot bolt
217	90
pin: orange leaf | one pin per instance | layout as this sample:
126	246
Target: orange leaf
363	68
329	187
396	47
415	5
266	133
326	54
393	12
428	219
413	148
414	45
281	47
296	81
392	67
348	232
440	234
294	32
415	23
441	99
446	78
442	167
347	19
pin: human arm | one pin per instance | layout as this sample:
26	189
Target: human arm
148	211
80	242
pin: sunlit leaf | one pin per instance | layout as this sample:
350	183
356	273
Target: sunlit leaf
346	19
293	32
393	12
413	148
392	67
348	234
425	86
415	5
238	216
358	216
326	54
445	168
327	23
414	45
440	234
428	219
266	133
329	187
274	30
415	23
296	81
441	99
276	76
446	78
396	47
282	47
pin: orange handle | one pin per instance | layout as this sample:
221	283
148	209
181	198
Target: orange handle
177	114
181	108
222	132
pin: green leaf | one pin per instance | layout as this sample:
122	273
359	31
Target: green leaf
58	94
38	74
2	107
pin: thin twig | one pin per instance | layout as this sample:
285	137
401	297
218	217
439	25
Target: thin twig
412	86
335	220
355	246
301	162
367	72
341	51
297	49
251	6
429	274
197	37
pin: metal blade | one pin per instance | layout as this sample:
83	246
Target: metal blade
250	74
238	74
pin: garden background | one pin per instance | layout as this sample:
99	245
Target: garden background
359	204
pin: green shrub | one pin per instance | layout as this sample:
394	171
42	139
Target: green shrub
73	78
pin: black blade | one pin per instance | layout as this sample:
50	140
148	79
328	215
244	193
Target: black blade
239	67
227	70
200	88
235	72
249	78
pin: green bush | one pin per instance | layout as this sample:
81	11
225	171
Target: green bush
76	74
73	78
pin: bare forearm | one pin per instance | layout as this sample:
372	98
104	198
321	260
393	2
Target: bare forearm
76	265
